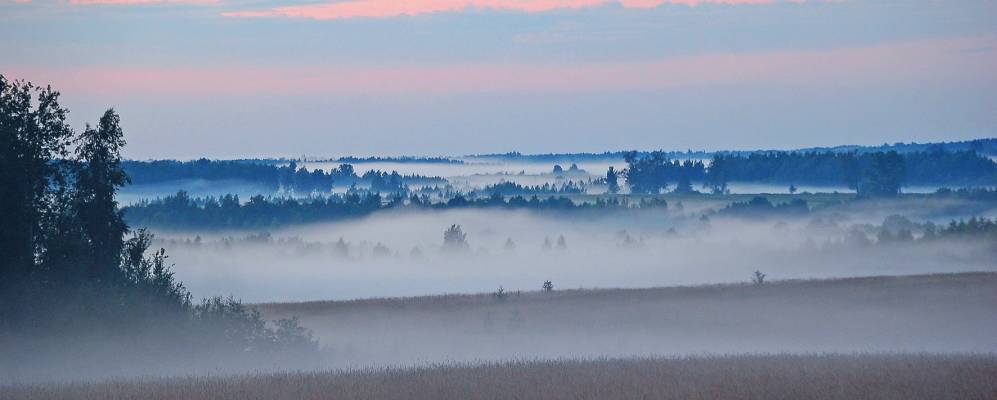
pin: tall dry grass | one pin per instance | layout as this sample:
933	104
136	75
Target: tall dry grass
818	377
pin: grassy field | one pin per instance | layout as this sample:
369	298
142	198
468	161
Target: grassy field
927	313
945	314
817	377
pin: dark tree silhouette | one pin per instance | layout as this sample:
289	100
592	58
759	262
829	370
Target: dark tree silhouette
33	136
651	173
612	180
67	267
98	159
884	175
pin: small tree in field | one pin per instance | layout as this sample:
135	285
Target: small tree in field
758	278
548	286
454	239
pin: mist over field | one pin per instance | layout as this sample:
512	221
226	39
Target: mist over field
399	253
498	199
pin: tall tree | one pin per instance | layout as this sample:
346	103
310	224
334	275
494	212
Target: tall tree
612	180
33	136
99	175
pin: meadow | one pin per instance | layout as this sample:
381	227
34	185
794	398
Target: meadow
778	376
924	313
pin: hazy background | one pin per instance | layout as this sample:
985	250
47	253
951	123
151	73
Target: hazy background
222	78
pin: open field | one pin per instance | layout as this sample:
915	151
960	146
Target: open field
925	313
817	377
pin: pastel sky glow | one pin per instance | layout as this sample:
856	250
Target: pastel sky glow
926	61
223	78
394	8
140	2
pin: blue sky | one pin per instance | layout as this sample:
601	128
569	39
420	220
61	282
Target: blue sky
230	79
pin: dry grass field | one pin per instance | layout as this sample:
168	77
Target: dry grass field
927	313
816	377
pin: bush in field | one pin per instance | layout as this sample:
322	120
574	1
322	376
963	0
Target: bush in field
758	278
500	294
548	286
243	328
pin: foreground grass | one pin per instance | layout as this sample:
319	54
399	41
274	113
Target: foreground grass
881	377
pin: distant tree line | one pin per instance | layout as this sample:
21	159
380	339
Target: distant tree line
874	174
575	157
976	193
183	211
871	174
897	229
987	147
512	189
402	159
760	206
272	176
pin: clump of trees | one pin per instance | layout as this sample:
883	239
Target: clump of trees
760	206
512	188
68	266
455	240
653	172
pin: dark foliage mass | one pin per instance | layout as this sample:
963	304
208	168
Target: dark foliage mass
762	207
68	267
652	173
872	174
981	194
272	176
182	211
513	189
402	159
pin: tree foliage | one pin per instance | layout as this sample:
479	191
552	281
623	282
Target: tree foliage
67	264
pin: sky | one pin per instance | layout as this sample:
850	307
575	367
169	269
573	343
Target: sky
248	78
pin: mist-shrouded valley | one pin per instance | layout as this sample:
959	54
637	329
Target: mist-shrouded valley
495	199
358	271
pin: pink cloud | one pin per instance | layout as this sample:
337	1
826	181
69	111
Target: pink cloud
393	8
945	61
141	2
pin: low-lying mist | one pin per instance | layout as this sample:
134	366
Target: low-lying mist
401	253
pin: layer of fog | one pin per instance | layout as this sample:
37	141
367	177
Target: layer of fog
399	253
463	177
913	314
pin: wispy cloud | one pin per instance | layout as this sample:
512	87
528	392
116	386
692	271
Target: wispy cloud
393	8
